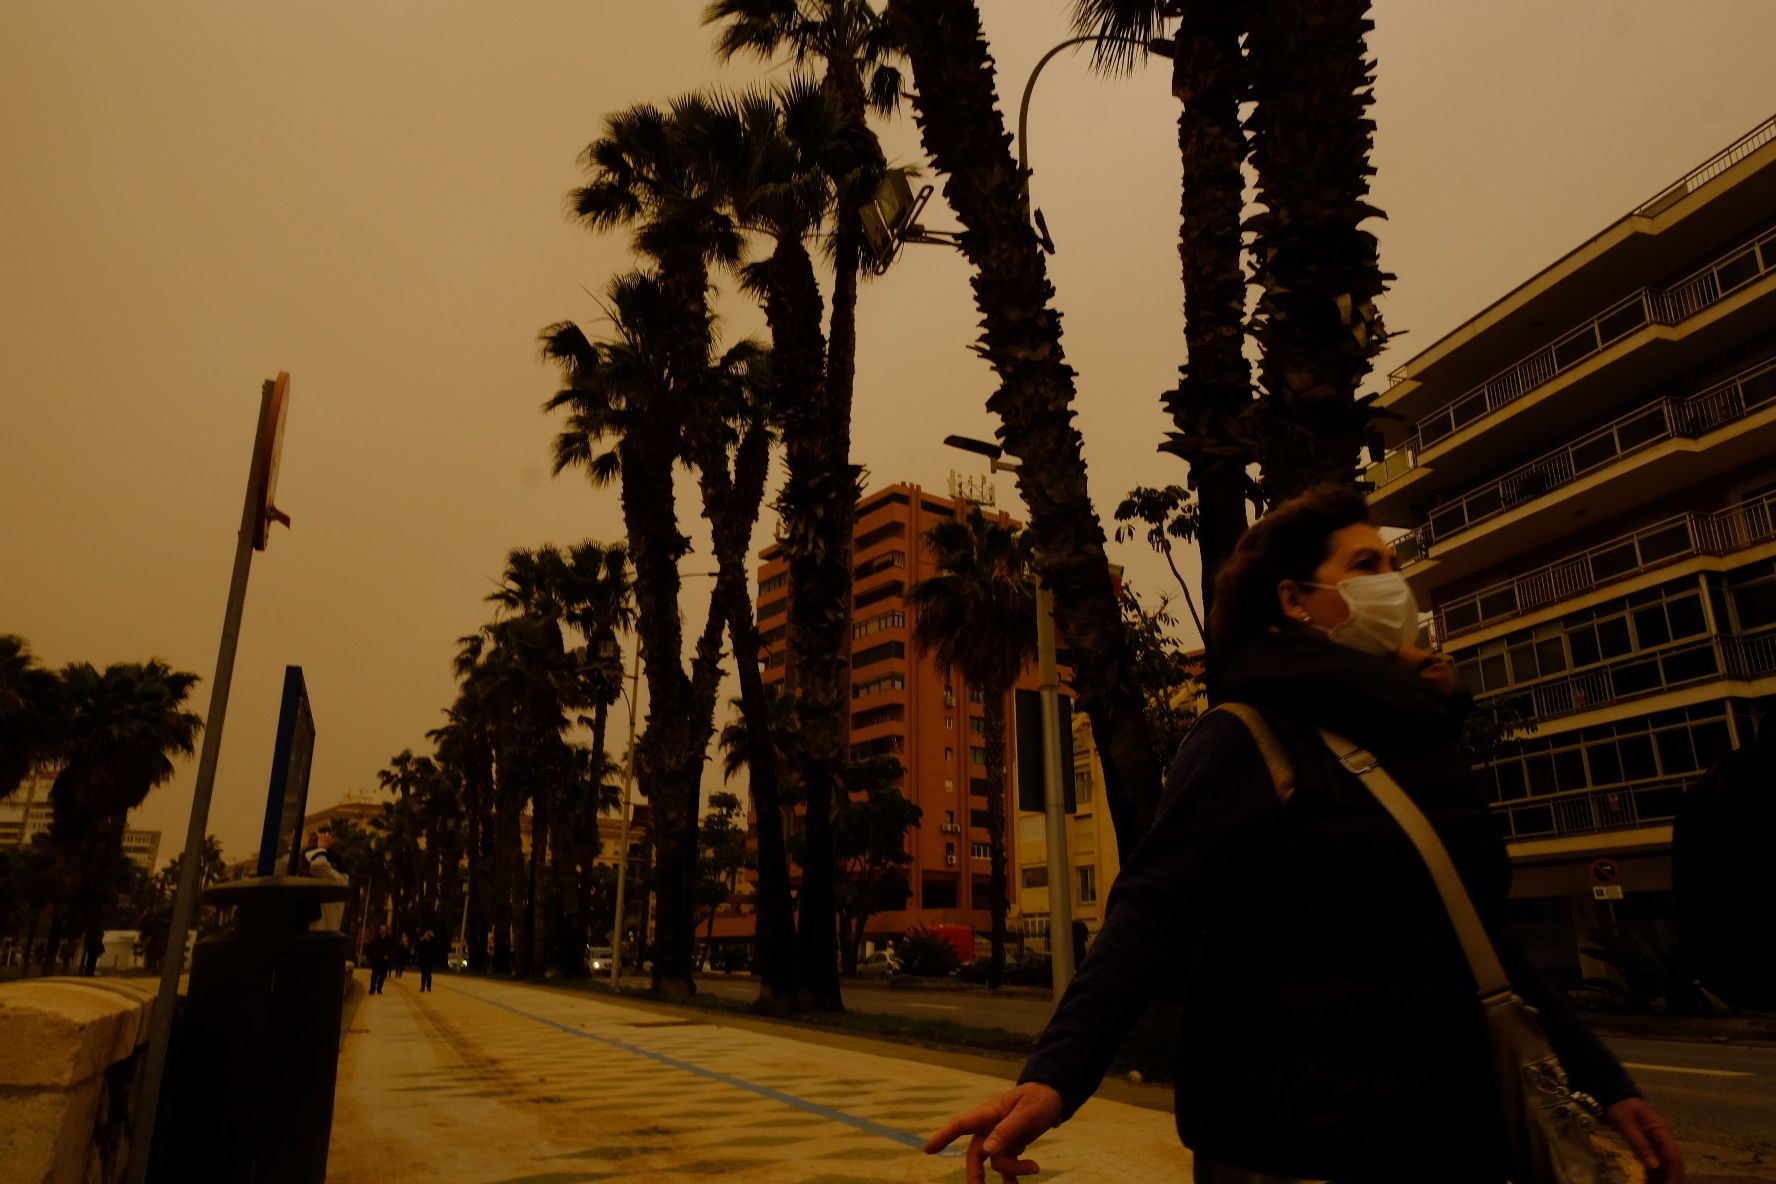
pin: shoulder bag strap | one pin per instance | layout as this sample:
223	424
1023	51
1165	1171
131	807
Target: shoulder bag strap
1489	973
1282	774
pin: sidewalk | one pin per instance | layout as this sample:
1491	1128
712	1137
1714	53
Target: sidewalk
494	1083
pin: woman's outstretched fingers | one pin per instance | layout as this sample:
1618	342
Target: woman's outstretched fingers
1000	1130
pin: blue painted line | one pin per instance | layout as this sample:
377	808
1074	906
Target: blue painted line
905	1138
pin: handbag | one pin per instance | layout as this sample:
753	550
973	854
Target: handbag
1553	1133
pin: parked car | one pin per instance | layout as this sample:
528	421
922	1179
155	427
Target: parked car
882	964
598	959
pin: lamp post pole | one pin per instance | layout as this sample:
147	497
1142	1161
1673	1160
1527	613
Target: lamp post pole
1054	793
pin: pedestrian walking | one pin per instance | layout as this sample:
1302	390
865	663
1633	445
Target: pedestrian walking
1332	1030
381	952
403	954
430	952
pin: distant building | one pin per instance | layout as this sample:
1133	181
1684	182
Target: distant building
27	814
1587	469
903	705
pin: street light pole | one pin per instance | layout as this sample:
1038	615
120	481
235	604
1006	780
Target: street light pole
1054	796
1054	792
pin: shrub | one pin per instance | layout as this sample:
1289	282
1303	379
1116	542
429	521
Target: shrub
924	954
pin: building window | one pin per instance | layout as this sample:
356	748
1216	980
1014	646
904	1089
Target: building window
949	723
976	695
977	755
772	608
1033	877
949	754
978	819
949	785
1088	884
882	562
949	853
977	726
1082	781
875	686
980	850
894	619
878	653
949	696
771	585
938	892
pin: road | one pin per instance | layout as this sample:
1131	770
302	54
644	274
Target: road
1720	1098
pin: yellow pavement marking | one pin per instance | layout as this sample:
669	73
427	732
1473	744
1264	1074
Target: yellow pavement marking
1684	1069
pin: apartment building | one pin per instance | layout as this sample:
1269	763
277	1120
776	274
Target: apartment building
903	705
26	814
1586	470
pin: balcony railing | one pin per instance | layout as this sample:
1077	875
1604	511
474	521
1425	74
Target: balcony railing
1660	306
1591	811
1651	673
1665	419
1662	543
1756	138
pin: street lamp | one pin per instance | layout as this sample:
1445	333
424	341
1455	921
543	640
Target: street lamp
1054	799
1160	46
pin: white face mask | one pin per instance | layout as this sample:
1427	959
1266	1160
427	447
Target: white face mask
1383	613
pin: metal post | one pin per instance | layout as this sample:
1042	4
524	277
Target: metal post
1054	797
160	1030
623	843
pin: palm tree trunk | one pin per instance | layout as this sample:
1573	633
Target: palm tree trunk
1318	271
1215	385
997	898
955	106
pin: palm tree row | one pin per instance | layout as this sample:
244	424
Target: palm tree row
111	736
765	189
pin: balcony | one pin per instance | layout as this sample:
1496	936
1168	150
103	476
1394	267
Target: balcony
1591	811
1669	541
1666	419
1670	306
1717	164
1651	673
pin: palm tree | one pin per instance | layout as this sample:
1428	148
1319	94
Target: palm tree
977	615
955	105
855	46
625	423
774	153
1212	402
465	761
1318	271
31	712
124	726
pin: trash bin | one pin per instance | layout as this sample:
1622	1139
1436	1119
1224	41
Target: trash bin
258	1040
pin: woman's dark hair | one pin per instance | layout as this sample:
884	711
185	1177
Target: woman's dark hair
1289	543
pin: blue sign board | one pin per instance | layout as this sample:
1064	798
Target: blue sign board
280	843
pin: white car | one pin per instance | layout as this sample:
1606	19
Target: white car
598	959
882	964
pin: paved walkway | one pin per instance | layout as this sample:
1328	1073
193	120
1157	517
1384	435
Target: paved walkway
492	1083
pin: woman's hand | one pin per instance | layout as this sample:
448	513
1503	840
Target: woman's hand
1650	1135
1000	1130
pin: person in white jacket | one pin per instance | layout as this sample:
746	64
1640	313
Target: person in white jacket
323	864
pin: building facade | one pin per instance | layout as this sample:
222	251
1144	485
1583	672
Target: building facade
27	813
1586	470
903	705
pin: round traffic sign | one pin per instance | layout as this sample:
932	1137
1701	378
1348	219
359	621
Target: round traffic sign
1604	871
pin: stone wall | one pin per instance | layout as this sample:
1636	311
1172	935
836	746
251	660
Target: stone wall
73	1048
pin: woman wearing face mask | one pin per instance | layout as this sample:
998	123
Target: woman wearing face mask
1331	1027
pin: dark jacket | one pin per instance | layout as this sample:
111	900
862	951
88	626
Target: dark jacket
1330	1024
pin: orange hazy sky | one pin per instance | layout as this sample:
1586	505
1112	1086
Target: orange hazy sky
200	193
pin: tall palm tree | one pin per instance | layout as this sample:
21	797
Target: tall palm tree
1212	402
1318	270
626	415
124	727
773	153
977	616
465	760
955	105
858	56
31	712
